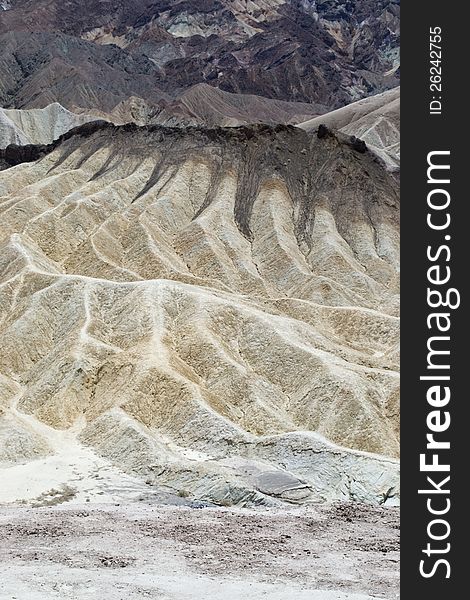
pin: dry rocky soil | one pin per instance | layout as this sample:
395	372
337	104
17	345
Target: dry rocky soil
141	550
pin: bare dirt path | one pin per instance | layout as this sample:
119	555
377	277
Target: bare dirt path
137	551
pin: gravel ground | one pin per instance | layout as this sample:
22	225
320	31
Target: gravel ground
139	551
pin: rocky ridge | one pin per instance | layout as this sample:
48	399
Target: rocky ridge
38	126
375	120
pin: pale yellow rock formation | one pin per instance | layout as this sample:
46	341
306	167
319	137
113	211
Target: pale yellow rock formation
375	119
38	125
214	311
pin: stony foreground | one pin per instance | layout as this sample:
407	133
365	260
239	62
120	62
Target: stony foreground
329	552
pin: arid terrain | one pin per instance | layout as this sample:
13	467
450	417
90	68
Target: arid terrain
203	312
199	299
97	53
140	551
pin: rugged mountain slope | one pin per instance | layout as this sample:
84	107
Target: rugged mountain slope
330	52
376	120
211	309
41	68
206	105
